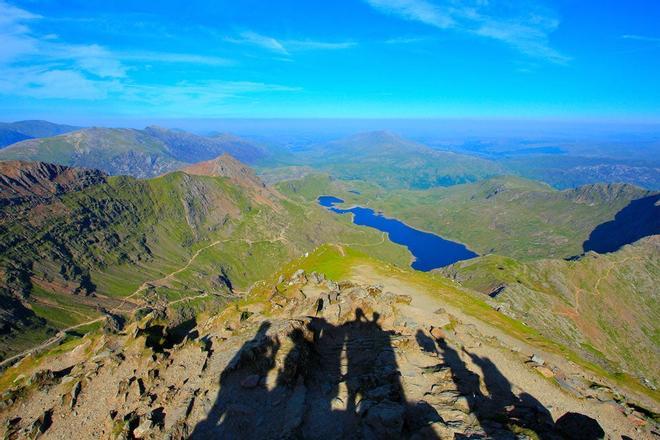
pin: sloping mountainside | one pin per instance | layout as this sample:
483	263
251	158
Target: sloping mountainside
74	241
138	153
393	162
337	345
604	306
505	215
113	150
188	147
11	132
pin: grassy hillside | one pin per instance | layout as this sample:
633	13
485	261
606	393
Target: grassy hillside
178	235
603	306
504	215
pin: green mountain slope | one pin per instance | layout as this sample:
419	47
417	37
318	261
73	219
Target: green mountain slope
604	306
113	150
505	215
64	253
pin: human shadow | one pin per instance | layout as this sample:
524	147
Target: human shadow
240	389
336	381
500	411
355	387
640	218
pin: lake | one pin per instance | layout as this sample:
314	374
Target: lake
430	251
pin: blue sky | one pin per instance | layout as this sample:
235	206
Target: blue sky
567	59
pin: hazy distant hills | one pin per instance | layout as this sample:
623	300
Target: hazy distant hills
391	161
566	171
12	132
191	148
138	153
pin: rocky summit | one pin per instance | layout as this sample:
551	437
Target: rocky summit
306	358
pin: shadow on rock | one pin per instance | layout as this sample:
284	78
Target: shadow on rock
501	412
336	381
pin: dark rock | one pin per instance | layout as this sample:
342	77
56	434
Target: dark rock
576	426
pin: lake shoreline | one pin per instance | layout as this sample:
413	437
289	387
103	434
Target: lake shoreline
429	250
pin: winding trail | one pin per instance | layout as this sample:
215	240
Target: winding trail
61	334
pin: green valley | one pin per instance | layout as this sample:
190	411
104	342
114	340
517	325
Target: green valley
113	240
503	215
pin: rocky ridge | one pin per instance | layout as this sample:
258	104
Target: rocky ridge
21	181
309	358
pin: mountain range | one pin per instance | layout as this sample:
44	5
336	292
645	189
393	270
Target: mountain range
139	153
12	132
391	161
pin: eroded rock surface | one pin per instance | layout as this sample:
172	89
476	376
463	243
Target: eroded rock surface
315	359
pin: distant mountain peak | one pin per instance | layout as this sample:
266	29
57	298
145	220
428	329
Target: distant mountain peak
12	132
238	173
224	165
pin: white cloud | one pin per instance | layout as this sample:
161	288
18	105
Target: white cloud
169	57
317	45
197	98
641	38
419	10
262	41
285	47
53	84
519	24
45	67
405	40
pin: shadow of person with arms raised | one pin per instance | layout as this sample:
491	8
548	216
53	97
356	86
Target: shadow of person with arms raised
501	412
242	391
524	411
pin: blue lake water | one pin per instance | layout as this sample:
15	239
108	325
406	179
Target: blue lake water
430	251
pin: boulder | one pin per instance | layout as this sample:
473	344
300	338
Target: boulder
537	359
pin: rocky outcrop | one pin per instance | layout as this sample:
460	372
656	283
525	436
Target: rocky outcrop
238	174
311	359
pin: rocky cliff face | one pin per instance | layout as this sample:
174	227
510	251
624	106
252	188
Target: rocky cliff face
32	181
311	359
